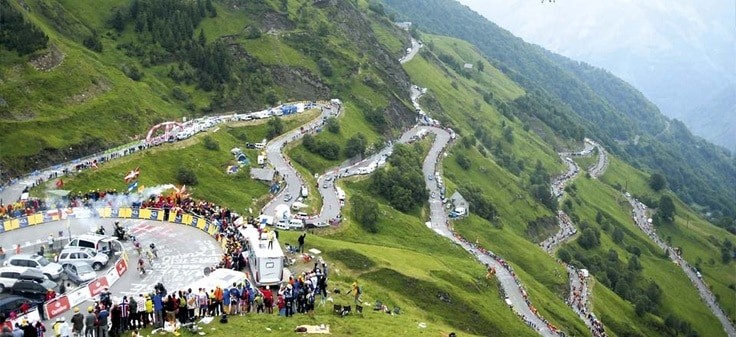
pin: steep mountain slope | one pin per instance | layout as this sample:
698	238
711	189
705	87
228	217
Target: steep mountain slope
515	223
717	128
126	65
677	53
609	109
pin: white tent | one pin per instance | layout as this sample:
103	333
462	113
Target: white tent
282	212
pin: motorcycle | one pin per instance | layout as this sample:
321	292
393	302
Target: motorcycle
122	233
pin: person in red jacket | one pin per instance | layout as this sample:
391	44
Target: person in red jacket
50	294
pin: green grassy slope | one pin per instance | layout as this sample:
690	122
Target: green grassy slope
160	165
544	279
90	91
699	240
679	297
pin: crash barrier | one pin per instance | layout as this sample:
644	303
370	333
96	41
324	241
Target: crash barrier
74	297
109	212
30	316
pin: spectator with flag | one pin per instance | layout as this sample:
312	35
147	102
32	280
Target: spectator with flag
132	179
132	175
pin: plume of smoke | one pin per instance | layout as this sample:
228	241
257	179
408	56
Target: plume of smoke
127	200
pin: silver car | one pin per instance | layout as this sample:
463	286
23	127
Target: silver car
78	272
81	254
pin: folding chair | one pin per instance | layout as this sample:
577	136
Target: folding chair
346	310
337	309
378	306
359	309
397	310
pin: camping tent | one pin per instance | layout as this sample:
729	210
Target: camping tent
282	212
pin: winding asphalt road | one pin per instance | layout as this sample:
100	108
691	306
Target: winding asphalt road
578	284
642	221
415	45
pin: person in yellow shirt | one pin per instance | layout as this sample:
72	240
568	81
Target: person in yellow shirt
358	290
270	239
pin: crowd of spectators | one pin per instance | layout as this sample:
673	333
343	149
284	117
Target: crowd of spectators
524	294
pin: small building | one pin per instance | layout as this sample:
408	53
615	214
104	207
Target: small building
468	66
404	25
264	174
462	207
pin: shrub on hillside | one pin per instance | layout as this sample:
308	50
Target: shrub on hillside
366	212
332	125
275	127
133	72
327	150
463	161
356	146
211	144
186	176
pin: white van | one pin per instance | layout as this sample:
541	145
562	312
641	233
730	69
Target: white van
296	224
103	244
282	224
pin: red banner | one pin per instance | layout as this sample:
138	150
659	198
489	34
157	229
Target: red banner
57	306
97	286
121	267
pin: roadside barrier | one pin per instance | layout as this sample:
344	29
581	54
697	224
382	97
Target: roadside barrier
74	297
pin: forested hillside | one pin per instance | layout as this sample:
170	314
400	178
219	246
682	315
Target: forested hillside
608	108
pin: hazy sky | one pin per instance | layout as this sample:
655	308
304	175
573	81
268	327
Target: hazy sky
573	27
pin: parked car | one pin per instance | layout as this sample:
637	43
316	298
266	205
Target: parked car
88	255
12	303
33	289
10	275
78	272
102	243
50	269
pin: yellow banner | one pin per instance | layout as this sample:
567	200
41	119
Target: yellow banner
201	223
125	212
144	213
35	219
187	219
172	216
11	224
105	212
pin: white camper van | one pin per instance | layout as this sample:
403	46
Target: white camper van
266	264
296	224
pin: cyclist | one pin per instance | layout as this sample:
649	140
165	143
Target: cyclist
141	266
137	246
150	257
154	250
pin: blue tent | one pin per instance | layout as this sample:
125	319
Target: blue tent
288	109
